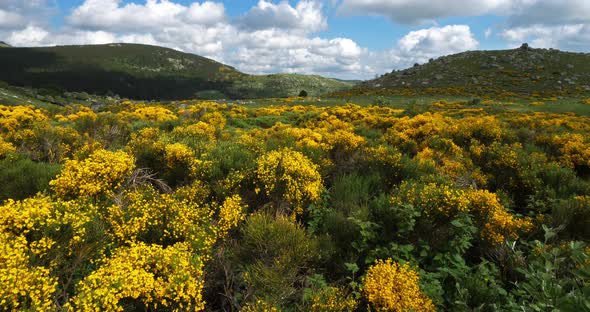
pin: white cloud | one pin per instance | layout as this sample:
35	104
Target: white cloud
30	36
306	16
16	14
575	37
421	11
10	20
282	44
427	43
549	12
543	23
550	24
110	15
206	13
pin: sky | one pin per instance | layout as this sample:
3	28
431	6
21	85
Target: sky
347	39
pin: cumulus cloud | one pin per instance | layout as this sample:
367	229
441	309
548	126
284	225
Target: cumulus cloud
549	12
421	45
9	20
17	14
110	15
544	23
422	11
30	36
306	16
574	37
268	38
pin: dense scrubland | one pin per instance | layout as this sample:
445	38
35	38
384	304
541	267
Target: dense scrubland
285	205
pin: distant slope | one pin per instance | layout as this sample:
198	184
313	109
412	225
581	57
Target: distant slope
145	72
4	45
522	71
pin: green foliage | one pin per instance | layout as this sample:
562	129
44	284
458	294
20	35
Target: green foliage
22	178
146	72
272	261
556	277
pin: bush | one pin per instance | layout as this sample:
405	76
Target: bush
270	262
21	177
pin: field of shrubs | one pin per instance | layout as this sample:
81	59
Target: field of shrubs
188	206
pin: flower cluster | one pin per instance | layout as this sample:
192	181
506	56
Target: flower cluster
101	173
152	275
149	113
332	299
390	286
290	176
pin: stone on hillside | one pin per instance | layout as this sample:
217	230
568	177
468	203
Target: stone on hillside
525	47
438	77
570	66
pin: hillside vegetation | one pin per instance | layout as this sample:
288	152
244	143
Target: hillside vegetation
522	72
190	205
146	72
458	185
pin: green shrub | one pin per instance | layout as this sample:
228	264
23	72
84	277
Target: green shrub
21	177
271	261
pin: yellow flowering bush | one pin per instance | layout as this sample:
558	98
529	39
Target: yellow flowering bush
433	198
574	149
178	153
495	222
499	224
101	173
5	147
289	175
81	113
390	286
149	113
18	117
200	130
23	287
152	275
37	238
332	299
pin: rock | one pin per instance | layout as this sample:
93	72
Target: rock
525	47
438	77
570	66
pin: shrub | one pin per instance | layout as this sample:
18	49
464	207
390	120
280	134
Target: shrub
390	286
21	177
273	258
287	176
100	174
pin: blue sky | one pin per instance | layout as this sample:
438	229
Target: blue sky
352	39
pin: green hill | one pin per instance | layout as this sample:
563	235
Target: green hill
518	72
4	45
146	72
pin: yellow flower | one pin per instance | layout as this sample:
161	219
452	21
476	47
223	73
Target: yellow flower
289	175
101	173
389	286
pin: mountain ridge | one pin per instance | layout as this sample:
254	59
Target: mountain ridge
146	72
522	71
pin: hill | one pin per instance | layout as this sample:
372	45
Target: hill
4	45
145	72
518	72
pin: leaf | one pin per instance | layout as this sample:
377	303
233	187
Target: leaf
352	267
457	223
